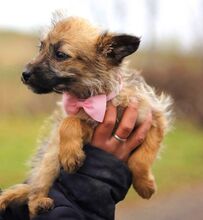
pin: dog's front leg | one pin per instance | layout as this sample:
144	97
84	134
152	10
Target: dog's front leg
42	177
71	155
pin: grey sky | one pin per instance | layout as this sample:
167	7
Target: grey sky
176	19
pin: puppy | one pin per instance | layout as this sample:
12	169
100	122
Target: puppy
86	65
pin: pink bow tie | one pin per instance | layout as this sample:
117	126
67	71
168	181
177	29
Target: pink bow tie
94	106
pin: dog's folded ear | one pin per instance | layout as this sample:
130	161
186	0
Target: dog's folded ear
117	47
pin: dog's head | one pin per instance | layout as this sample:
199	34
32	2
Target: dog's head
77	57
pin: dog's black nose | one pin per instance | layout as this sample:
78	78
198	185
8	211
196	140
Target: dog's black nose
26	76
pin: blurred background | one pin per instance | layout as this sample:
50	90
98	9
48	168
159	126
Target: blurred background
171	60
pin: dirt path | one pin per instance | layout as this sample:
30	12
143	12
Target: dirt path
186	204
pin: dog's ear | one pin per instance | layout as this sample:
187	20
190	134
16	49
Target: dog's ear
117	47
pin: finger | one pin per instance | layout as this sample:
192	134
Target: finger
126	125
140	133
105	129
127	122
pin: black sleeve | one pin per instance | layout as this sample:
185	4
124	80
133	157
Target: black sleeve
92	192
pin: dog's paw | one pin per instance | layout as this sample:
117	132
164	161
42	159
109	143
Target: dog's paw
40	205
73	162
3	203
145	187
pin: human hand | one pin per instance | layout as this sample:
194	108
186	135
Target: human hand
130	138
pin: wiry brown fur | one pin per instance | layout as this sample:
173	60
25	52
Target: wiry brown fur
94	67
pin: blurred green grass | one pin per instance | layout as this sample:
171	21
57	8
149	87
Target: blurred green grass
181	160
180	163
17	143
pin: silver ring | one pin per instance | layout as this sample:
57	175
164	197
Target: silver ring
119	139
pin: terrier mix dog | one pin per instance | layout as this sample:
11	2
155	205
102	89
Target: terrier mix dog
86	65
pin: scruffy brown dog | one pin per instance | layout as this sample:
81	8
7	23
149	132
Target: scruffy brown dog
77	58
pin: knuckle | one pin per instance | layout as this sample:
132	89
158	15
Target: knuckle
108	123
126	129
140	139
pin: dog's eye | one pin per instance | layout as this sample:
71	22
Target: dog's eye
61	56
